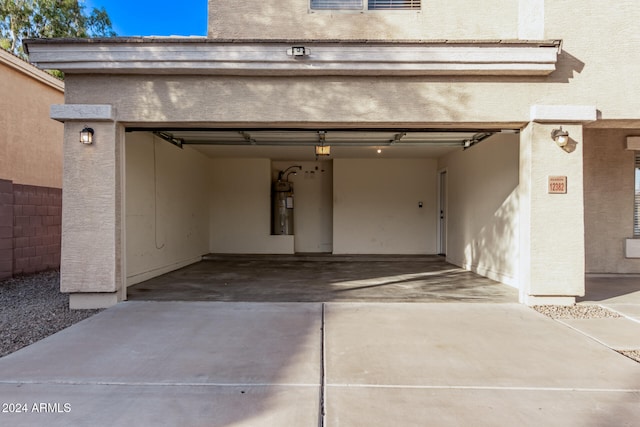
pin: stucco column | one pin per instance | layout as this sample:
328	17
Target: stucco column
551	217
92	251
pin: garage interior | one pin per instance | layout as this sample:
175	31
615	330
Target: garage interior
331	214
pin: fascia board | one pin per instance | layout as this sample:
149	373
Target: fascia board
272	59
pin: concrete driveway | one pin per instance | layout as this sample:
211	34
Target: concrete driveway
314	364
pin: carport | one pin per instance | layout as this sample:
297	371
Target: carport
428	154
374	206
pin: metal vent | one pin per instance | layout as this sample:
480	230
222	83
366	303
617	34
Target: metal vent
394	4
336	4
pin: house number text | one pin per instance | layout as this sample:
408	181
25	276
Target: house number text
557	185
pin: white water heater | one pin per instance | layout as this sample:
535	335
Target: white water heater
282	208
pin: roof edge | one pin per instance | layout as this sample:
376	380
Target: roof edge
206	40
30	70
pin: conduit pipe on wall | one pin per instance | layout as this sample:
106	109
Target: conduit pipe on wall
284	175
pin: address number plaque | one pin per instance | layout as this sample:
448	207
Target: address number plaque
557	185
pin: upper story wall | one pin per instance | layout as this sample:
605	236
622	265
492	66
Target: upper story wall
437	19
30	141
596	65
597	59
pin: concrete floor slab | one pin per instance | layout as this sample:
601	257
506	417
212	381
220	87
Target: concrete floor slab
382	407
128	405
617	333
465	345
323	278
179	342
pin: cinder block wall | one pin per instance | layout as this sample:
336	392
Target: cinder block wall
30	228
6	229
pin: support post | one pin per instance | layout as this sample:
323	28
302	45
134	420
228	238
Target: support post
91	269
551	217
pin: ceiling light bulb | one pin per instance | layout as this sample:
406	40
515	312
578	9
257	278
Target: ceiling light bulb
562	140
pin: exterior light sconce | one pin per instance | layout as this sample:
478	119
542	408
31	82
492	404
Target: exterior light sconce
86	136
561	137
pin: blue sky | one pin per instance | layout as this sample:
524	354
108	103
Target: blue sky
155	18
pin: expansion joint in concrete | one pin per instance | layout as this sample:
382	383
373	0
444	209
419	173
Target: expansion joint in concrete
323	369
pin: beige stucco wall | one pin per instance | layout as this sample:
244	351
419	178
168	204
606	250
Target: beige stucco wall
362	101
552	256
594	39
240	208
30	142
92	210
375	206
609	197
167	219
292	19
327	100
482	207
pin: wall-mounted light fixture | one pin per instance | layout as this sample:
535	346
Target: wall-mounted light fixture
560	136
323	150
86	135
298	51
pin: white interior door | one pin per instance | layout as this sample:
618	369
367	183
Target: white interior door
442	213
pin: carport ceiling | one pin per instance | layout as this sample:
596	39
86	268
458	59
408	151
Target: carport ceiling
299	144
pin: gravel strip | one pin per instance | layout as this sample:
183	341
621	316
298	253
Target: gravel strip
584	312
575	311
32	308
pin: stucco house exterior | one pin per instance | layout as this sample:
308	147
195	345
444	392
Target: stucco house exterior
30	168
439	116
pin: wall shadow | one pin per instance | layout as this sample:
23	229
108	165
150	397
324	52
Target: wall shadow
611	289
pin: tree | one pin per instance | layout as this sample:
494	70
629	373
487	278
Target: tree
22	19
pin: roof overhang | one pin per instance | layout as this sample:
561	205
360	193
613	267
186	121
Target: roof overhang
197	55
